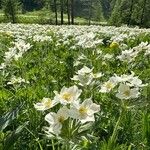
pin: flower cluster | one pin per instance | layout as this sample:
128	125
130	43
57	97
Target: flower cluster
15	52
17	80
72	107
132	53
85	76
129	86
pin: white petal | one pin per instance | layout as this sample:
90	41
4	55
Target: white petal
63	112
123	88
88	119
94	108
56	128
39	106
74	113
87	102
120	96
50	118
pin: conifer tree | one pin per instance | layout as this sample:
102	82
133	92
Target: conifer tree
10	8
116	14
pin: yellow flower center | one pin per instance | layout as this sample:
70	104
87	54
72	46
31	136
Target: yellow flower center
109	85
127	93
94	75
82	110
61	119
48	103
67	96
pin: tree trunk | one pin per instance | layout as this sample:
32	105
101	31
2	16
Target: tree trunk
0	4
68	11
62	12
55	9
90	11
143	12
12	12
72	11
131	11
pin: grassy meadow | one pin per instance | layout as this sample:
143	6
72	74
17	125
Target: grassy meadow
74	87
45	17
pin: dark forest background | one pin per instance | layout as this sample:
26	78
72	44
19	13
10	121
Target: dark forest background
114	12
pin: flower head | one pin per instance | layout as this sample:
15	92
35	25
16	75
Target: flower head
56	119
45	104
85	111
125	92
67	95
109	85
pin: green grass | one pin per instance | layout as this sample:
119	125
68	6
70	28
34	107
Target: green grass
49	66
45	17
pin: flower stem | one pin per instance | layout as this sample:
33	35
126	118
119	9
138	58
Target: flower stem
115	132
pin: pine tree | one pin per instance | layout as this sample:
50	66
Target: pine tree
145	12
116	14
133	12
10	9
106	8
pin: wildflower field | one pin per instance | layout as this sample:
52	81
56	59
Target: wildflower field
74	87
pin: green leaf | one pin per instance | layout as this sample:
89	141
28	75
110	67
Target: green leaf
12	138
9	117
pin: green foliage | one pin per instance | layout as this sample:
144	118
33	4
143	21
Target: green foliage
9	117
131	12
115	16
12	137
48	66
8	137
30	5
10	9
115	12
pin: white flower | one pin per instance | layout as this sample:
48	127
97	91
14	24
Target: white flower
108	56
45	104
141	46
2	66
123	78
22	46
84	80
41	38
67	95
125	92
99	52
82	57
131	80
85	111
77	63
127	55
136	82
84	76
147	52
56	119
108	86
84	70
97	75
15	80
10	54
17	56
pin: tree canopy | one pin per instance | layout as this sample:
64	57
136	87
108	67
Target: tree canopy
115	12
